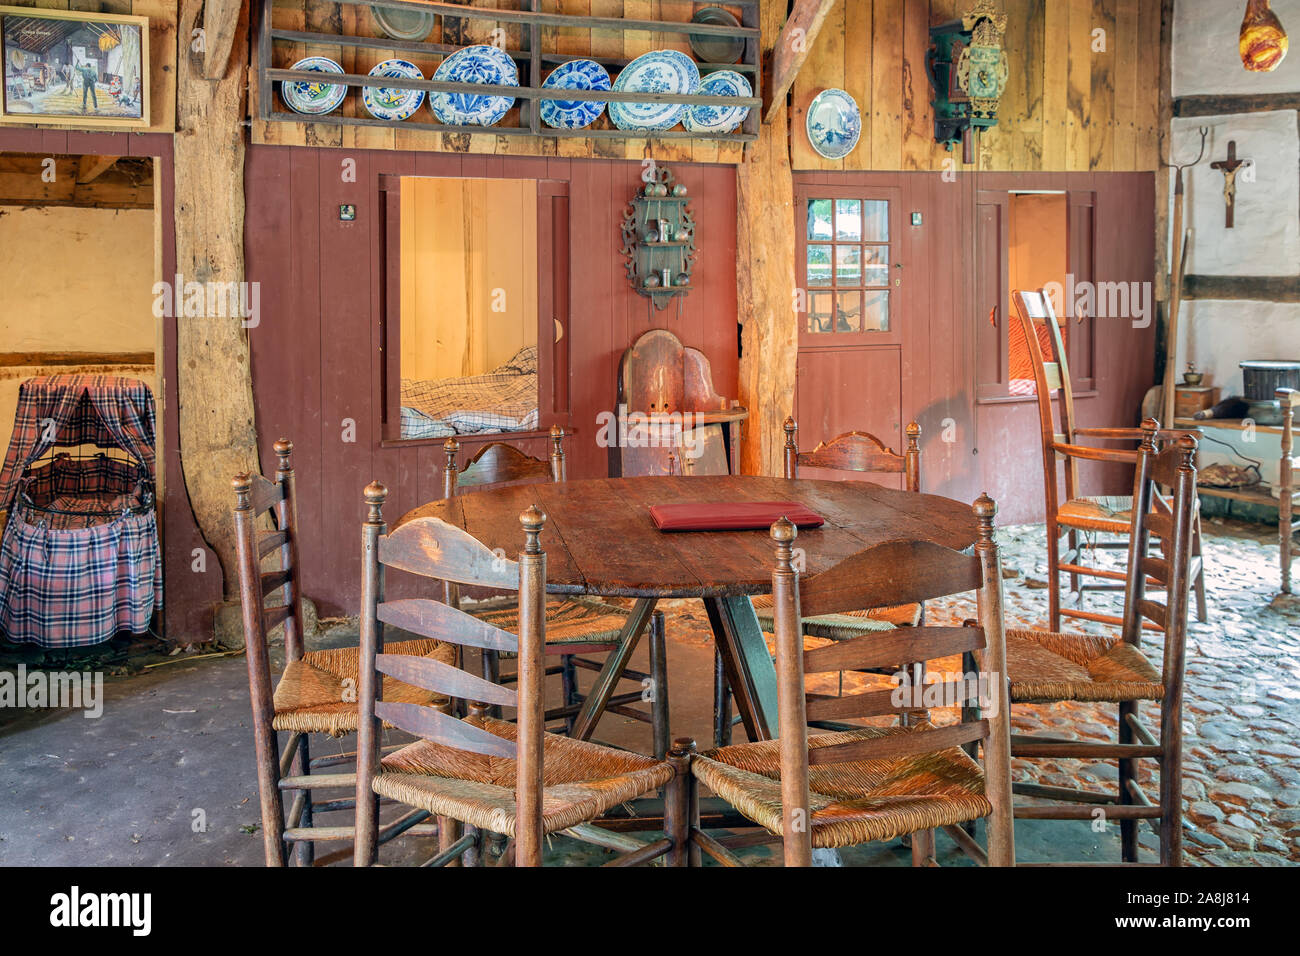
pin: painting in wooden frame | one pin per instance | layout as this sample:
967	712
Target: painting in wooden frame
69	68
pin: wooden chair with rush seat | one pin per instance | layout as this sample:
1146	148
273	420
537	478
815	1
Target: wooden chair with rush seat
495	776
574	627
1051	667
1074	516
315	693
874	783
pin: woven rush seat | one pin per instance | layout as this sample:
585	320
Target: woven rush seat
311	696
845	626
581	780
1049	666
1111	514
853	802
567	622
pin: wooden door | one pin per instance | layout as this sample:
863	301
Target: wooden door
852	312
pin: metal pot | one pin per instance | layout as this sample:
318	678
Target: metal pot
1261	379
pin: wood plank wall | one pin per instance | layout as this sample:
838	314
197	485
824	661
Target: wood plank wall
1067	108
316	356
162	51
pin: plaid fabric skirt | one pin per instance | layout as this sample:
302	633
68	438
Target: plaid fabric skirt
70	587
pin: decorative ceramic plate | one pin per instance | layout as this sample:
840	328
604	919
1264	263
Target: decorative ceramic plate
719	119
834	124
390	103
663	71
474	64
574	75
314	99
403	24
713	48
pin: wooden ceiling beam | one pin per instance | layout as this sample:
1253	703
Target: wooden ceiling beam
220	23
792	48
25	180
89	168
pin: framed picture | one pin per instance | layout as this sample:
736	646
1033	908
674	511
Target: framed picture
68	68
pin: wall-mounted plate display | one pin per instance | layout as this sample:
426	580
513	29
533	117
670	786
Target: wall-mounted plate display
574	75
403	24
833	123
716	49
314	99
662	71
483	64
719	119
391	103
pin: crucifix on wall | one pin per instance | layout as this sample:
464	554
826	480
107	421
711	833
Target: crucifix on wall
1229	169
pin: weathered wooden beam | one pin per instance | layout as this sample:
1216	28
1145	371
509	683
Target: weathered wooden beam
765	276
221	19
792	47
28	179
90	167
218	436
43	359
1227	104
1255	288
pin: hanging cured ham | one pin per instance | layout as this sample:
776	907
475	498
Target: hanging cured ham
1263	40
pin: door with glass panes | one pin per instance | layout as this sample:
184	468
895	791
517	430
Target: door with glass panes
851	314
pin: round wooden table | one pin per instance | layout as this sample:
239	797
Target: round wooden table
599	539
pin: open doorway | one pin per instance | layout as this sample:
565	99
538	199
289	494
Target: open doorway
1038	257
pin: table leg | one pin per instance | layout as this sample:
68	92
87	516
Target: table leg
748	664
615	664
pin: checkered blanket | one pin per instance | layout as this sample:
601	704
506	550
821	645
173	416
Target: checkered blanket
503	400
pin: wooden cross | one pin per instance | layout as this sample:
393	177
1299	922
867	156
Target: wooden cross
1229	169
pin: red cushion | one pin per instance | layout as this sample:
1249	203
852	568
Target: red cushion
732	516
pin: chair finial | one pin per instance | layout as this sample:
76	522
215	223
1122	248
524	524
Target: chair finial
985	509
790	428
375	494
1187	445
783	533
243	484
283	447
533	519
913	432
1150	430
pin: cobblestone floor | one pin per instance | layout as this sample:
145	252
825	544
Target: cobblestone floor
1242	717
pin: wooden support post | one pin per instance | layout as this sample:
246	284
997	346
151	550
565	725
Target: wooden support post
765	274
221	20
218	437
792	48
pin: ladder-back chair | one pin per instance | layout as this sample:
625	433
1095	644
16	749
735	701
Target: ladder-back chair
877	783
316	691
495	776
1048	667
1072	515
573	627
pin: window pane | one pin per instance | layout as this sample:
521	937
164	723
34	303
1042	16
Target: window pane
848	265
875	220
848	219
820	311
876	268
819	266
819	219
875	312
848	316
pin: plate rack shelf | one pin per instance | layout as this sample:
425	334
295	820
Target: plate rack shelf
537	30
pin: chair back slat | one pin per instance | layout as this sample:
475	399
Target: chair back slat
445	679
273	581
900	745
444	729
903	699
906	645
888	574
501	465
274	616
445	623
1154	611
270	541
265	494
433	548
858	452
1051	374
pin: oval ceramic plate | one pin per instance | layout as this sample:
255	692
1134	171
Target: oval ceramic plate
663	71
833	123
390	103
474	64
712	48
719	119
313	99
574	75
403	24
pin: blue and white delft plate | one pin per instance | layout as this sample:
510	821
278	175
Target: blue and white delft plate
314	99
475	64
833	123
390	103
719	119
663	71
574	75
